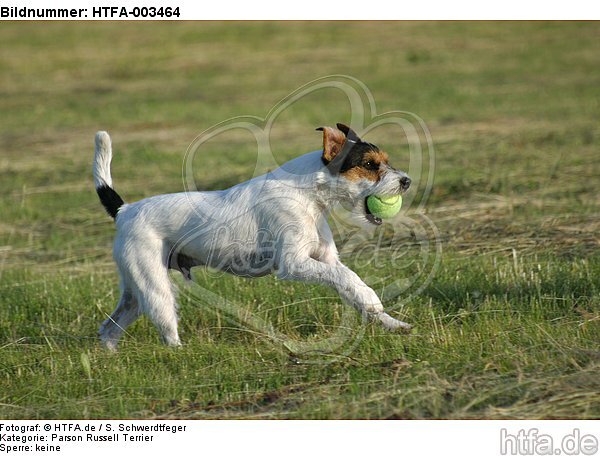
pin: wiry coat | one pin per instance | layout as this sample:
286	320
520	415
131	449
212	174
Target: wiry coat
275	223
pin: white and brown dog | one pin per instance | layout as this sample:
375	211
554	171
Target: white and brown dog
275	223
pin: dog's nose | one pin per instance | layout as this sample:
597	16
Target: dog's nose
405	182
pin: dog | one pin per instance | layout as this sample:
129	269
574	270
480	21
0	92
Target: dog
272	224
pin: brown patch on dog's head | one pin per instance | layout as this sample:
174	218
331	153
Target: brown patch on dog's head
367	162
345	153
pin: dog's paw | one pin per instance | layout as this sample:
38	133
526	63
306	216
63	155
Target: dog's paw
109	344
373	308
391	324
171	340
368	300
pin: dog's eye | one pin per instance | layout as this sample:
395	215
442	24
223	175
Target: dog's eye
372	165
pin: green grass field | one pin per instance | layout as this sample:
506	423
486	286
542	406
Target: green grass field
508	328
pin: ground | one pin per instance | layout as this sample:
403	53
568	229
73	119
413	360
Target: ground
509	325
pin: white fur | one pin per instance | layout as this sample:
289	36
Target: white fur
275	223
102	159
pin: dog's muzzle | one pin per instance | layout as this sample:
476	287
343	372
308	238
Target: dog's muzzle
404	185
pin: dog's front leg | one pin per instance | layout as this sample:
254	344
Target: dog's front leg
350	287
374	311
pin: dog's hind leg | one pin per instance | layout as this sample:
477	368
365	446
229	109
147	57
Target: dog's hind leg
154	291
158	302
127	312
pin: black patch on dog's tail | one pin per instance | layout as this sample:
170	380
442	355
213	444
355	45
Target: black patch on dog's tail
110	200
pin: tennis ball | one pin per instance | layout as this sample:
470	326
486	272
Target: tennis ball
384	206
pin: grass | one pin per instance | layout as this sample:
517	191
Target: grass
508	328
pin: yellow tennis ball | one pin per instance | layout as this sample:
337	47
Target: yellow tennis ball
384	206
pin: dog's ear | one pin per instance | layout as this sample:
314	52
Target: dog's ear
349	132
333	142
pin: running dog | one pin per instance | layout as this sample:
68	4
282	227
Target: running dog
272	224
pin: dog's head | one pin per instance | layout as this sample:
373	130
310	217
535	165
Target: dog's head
358	169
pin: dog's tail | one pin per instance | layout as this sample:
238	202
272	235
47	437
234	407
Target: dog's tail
102	179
